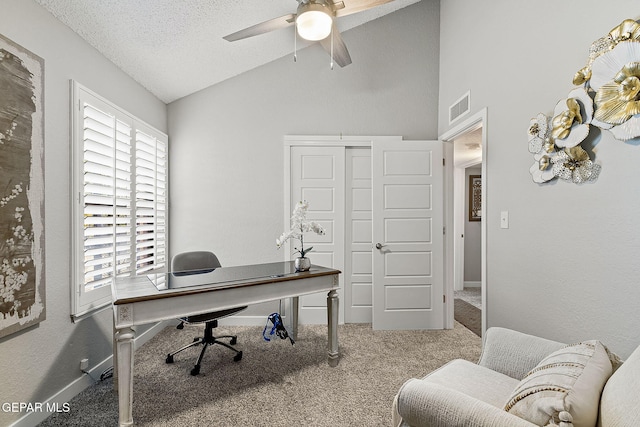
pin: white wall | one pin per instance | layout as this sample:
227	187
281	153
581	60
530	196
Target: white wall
227	162
39	361
567	266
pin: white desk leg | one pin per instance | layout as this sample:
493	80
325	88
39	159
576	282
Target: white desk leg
124	342
115	356
295	304
332	322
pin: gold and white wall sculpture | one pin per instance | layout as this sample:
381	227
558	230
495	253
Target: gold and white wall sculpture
607	97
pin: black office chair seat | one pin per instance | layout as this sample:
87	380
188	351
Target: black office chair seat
192	263
202	318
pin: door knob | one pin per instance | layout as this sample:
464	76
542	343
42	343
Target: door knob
379	245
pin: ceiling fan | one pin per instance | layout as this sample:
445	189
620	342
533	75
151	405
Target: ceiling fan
314	21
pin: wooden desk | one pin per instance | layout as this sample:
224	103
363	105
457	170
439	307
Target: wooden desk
152	298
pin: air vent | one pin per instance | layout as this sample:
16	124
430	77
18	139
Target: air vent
459	108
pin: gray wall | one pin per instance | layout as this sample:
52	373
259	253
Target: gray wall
567	267
38	362
227	156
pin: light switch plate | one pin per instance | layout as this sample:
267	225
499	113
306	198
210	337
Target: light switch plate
504	219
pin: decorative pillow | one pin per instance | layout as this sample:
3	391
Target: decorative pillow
564	388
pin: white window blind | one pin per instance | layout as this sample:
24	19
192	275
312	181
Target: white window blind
151	203
120	191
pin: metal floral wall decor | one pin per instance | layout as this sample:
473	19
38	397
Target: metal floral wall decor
22	293
607	97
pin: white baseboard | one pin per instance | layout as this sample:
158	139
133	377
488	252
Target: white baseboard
61	398
472	284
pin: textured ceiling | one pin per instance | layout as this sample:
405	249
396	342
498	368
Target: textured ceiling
175	47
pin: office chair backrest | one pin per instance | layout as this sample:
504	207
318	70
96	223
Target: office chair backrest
196	260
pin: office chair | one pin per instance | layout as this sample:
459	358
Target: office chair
198	262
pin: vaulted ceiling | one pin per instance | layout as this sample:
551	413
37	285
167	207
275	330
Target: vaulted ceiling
175	47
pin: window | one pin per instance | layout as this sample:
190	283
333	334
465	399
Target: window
120	198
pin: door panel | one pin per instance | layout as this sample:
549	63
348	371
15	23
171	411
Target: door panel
361	262
314	239
408	265
362	297
407	196
323	198
361	197
408	230
317	166
408	297
407	218
361	231
407	163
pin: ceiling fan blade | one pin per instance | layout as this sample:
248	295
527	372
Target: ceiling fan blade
354	6
263	27
340	52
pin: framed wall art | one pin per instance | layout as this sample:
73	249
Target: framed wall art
22	261
475	197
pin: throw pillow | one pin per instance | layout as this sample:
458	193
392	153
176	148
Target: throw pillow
564	388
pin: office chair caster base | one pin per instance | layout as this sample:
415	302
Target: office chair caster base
196	370
169	358
237	357
233	341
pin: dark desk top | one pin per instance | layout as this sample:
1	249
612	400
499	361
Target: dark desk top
127	290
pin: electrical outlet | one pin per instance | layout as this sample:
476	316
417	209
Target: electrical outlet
84	364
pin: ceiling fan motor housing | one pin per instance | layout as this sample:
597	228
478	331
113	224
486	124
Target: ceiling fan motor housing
314	20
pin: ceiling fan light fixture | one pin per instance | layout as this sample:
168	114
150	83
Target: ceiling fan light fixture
313	21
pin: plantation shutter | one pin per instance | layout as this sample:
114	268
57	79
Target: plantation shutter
107	201
120	218
151	202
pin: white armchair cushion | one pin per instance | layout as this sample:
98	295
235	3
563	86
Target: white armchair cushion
473	380
564	388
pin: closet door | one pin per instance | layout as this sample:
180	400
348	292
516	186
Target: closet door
357	271
318	176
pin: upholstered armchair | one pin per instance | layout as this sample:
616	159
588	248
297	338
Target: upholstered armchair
524	381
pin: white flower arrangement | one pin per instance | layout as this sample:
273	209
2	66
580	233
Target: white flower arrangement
299	226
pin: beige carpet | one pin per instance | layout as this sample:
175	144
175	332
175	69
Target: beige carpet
275	383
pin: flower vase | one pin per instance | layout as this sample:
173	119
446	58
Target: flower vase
302	264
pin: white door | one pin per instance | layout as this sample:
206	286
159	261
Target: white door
408	289
317	176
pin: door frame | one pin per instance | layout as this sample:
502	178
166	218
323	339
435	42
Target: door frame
475	121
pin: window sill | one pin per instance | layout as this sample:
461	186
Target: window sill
75	318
